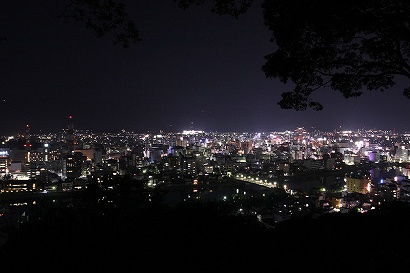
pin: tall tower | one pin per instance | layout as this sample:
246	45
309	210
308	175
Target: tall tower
70	135
27	144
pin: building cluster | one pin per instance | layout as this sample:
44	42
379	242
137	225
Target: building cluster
197	163
72	158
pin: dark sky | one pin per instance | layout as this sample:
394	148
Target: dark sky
193	70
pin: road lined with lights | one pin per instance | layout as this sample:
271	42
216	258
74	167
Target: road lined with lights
266	182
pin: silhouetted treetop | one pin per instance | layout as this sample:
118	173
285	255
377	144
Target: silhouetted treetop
348	46
231	7
103	17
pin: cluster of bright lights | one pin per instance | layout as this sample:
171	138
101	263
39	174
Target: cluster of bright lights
192	132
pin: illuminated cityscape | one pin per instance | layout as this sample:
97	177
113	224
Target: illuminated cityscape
72	159
266	178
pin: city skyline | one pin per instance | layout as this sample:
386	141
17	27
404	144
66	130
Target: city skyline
192	69
27	130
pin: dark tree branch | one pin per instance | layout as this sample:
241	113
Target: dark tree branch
351	46
233	8
103	17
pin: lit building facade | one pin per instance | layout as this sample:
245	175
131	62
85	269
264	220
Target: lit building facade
358	184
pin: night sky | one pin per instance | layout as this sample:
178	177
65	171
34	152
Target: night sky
192	70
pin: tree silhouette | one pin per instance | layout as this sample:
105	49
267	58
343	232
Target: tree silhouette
348	46
231	7
103	17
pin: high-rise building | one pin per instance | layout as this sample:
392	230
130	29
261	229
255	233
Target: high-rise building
358	183
74	163
4	161
70	135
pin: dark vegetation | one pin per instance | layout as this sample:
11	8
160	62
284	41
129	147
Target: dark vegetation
200	237
348	46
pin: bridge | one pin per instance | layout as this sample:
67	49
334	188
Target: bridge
255	179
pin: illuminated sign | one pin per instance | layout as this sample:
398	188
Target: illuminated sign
4	153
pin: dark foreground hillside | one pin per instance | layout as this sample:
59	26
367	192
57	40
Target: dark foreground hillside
199	237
